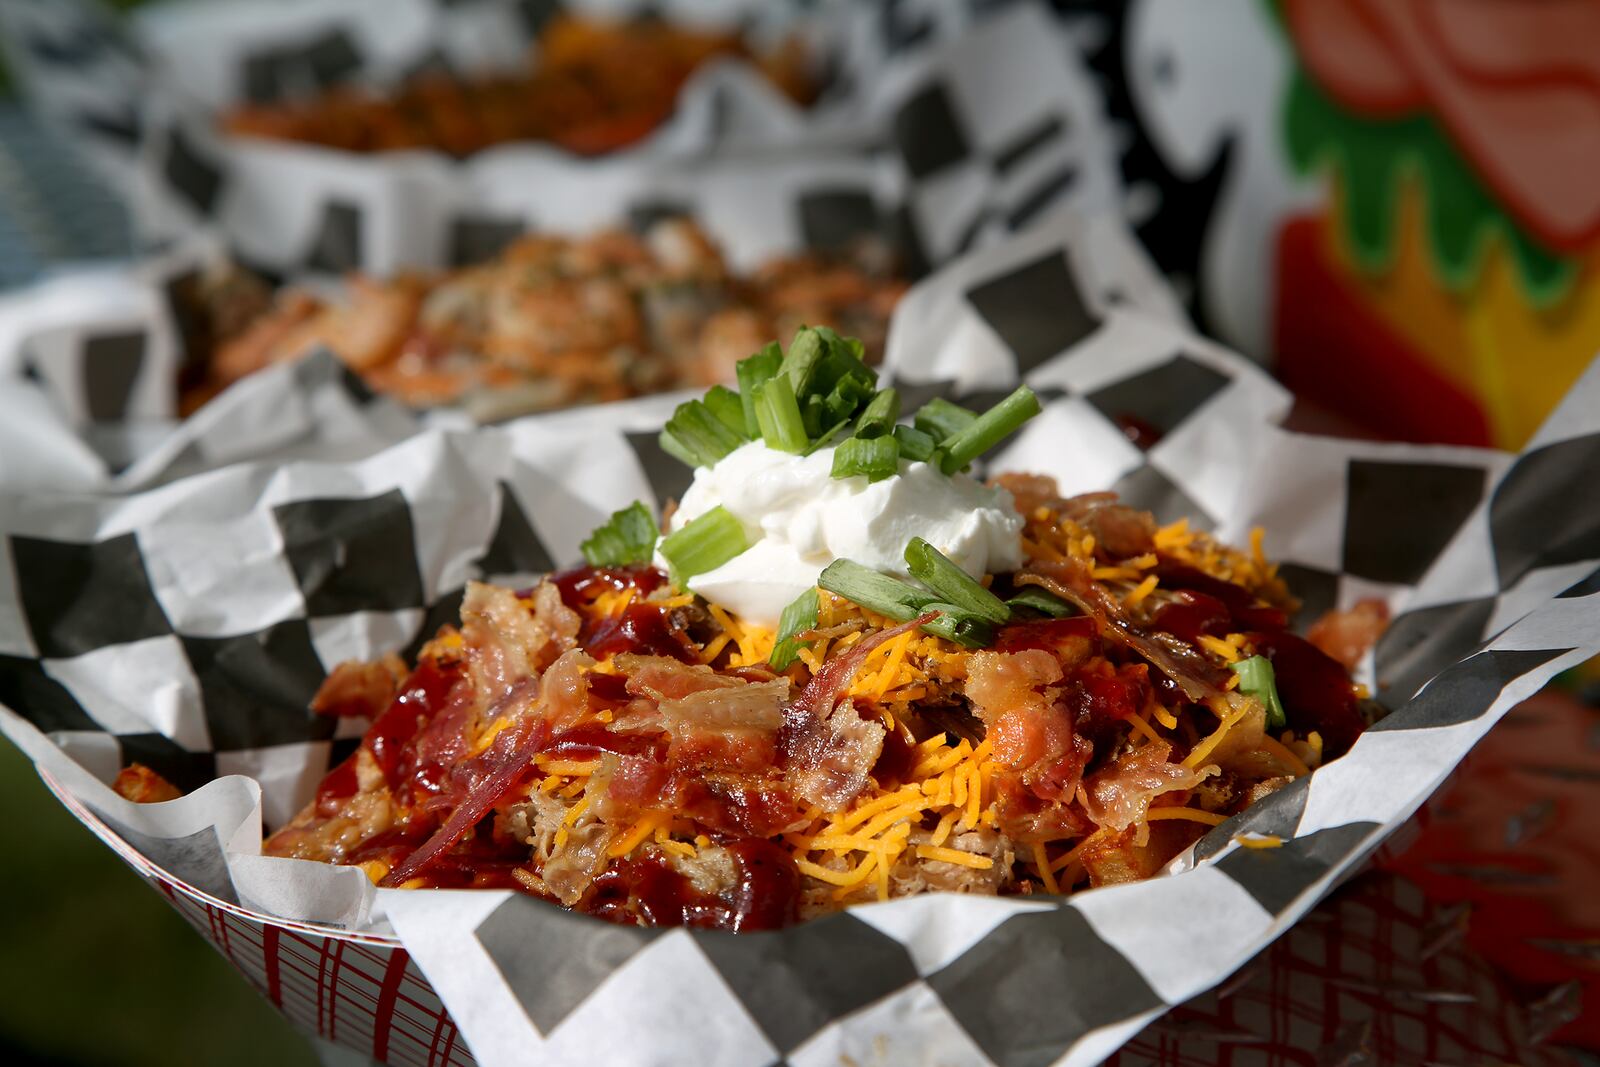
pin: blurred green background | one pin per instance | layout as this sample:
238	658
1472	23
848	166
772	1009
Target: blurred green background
96	969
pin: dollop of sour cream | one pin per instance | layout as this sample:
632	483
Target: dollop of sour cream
799	519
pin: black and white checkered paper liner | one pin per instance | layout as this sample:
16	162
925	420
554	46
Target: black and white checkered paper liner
91	363
978	119
187	625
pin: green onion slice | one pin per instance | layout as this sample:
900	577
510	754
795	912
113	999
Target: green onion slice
940	419
888	596
1033	599
914	444
877	459
1256	679
704	544
848	397
805	354
696	432
751	373
629	536
952	584
797	618
882	412
778	414
671	446
964	629
727	406
989	429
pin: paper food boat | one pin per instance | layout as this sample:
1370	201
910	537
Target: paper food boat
185	622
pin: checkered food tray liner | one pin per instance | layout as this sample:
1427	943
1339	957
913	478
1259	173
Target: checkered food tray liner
944	125
186	624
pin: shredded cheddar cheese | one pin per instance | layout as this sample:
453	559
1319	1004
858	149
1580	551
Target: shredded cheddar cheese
1041	861
647	825
1140	591
858	847
1204	748
1210	818
1259	840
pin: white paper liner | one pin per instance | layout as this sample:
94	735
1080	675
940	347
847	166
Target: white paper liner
185	624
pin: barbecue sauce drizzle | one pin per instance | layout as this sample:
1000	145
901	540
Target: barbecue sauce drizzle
765	893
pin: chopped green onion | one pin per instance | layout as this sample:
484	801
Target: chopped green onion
914	444
1042	601
704	544
848	396
699	434
940	419
752	372
778	415
902	602
823	439
850	346
883	411
888	596
800	365
671	446
988	429
727	406
797	618
953	624
629	536
840	366
877	458
813	414
952	584
1256	679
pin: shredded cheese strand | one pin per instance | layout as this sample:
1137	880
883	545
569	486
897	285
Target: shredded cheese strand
1210	818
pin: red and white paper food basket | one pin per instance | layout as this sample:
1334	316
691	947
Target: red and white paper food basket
186	623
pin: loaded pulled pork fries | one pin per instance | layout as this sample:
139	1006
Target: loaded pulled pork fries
737	724
597	86
551	322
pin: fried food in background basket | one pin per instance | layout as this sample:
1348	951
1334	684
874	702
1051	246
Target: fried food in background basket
597	87
549	323
1058	693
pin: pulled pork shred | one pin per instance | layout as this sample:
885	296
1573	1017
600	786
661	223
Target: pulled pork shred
609	744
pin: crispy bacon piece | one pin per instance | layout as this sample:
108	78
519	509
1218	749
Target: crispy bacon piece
532	708
1120	530
820	694
665	678
360	689
512	751
1119	795
838	766
1030	491
1071	581
510	640
1347	635
140	784
828	751
714	721
329	832
1032	731
574	864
